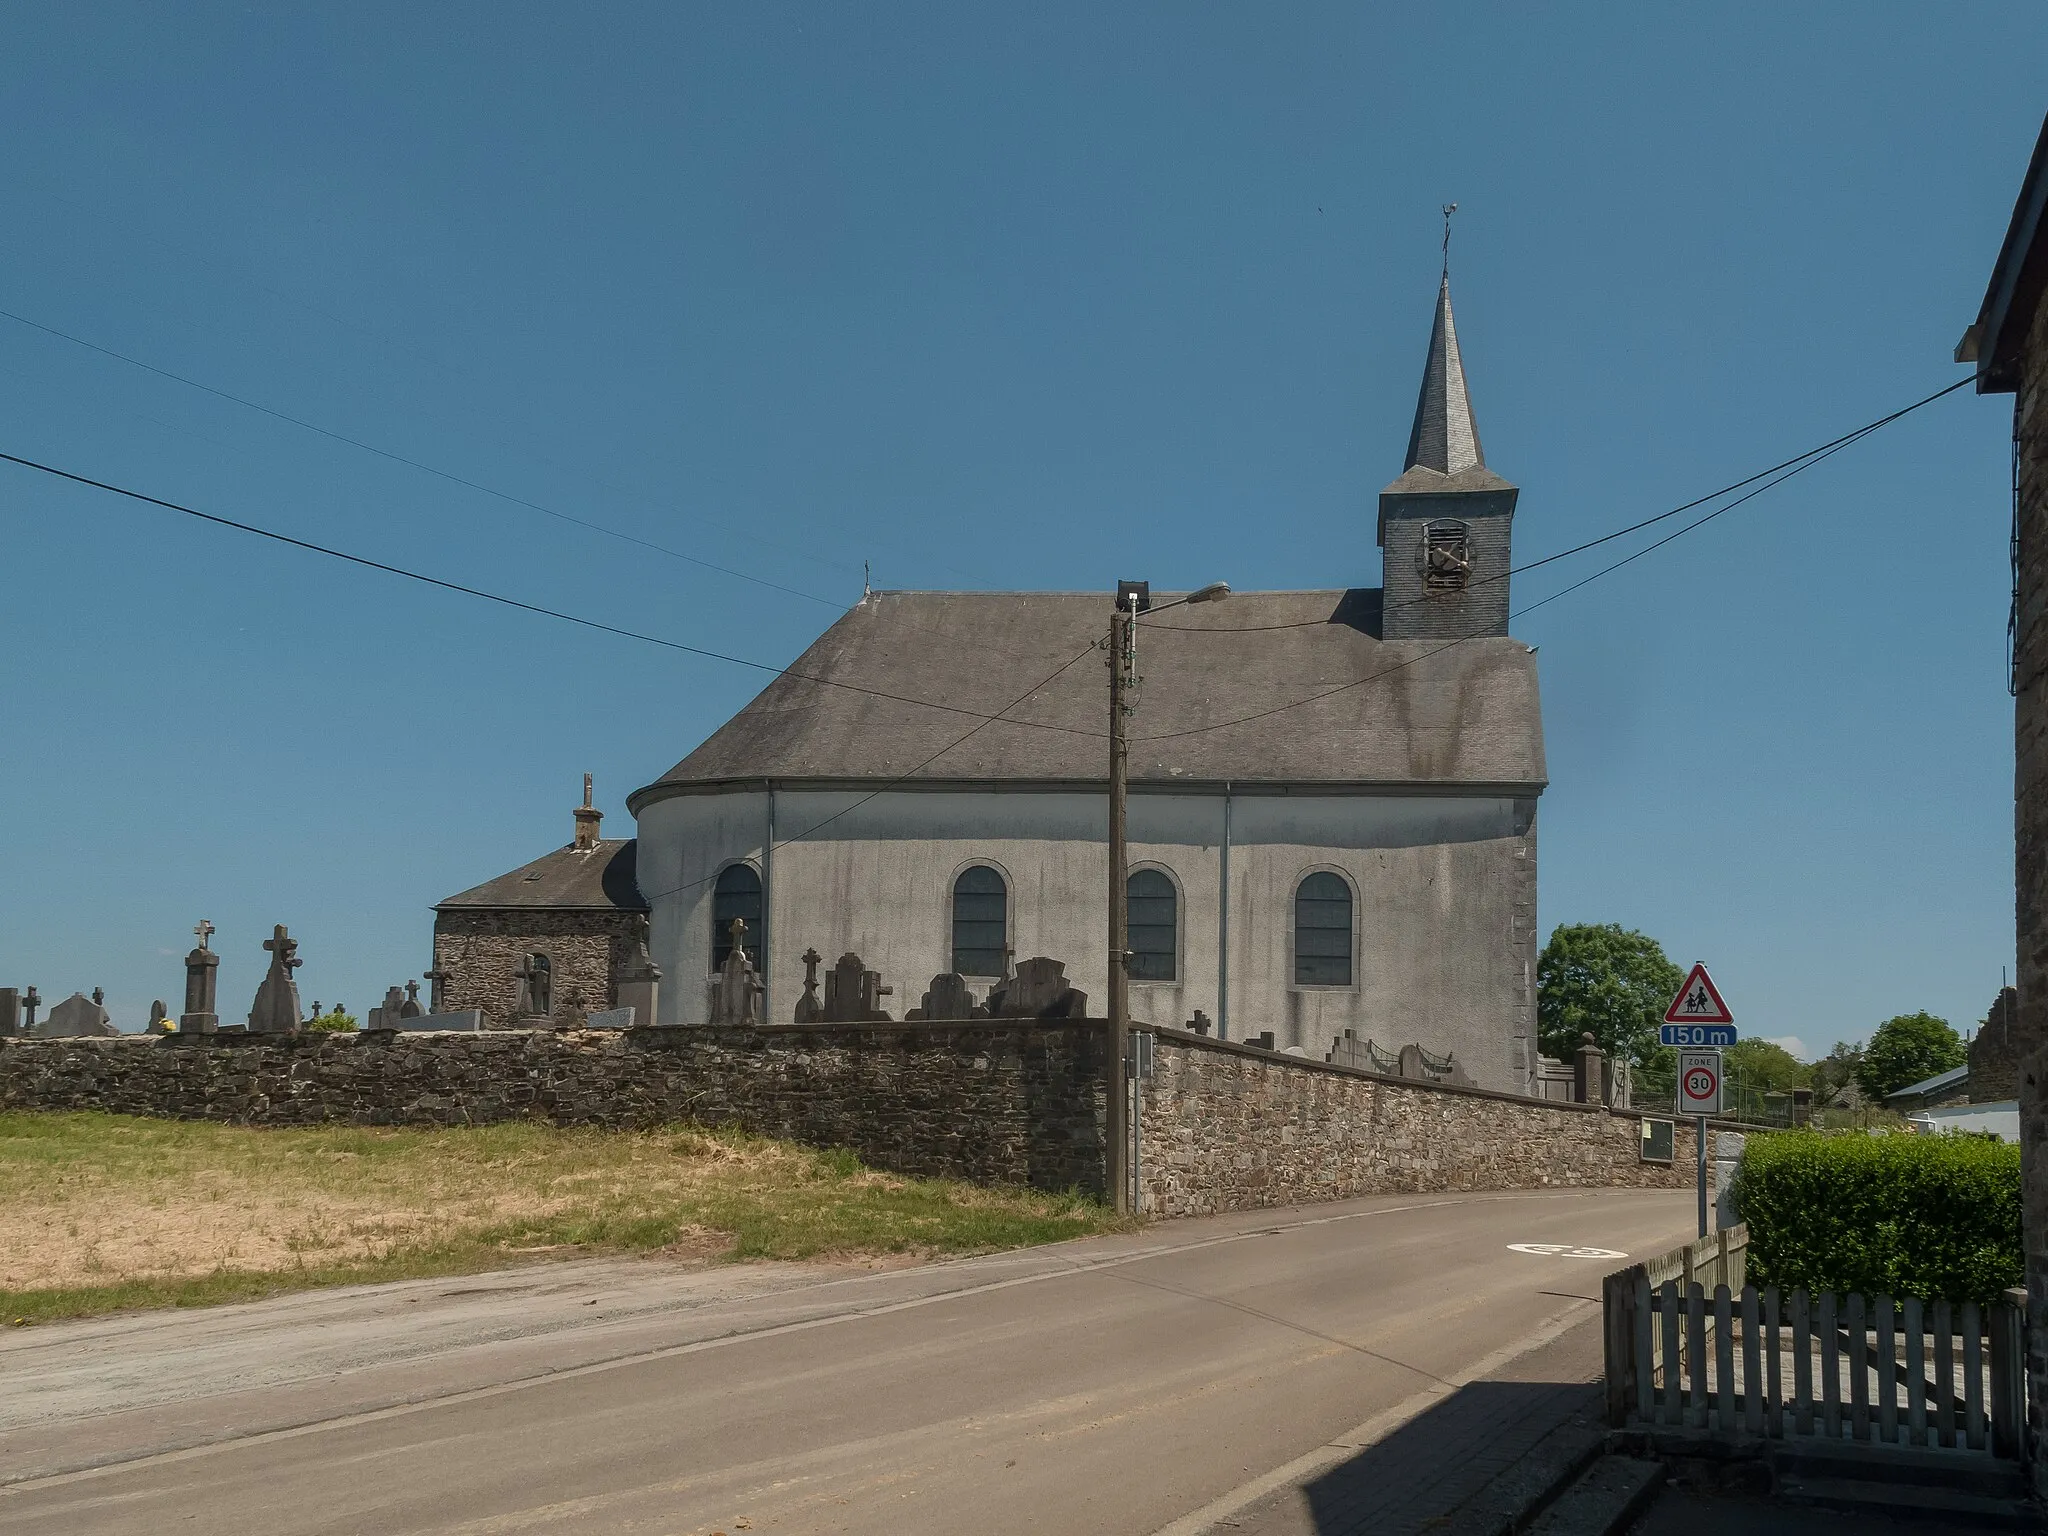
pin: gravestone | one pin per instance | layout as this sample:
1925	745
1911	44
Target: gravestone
639	985
1199	1024
31	1000
735	988
159	1019
536	998
10	1012
853	993
808	1009
438	980
392	1014
1039	990
948	998
77	1015
202	968
410	1008
276	1009
1263	1041
610	1018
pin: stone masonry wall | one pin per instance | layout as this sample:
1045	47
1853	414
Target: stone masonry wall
1224	1127
481	953
2030	828
1227	1128
1016	1102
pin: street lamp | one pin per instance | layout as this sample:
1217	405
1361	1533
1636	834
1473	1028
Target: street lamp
1132	598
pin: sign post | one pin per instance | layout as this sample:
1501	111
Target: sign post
1699	1023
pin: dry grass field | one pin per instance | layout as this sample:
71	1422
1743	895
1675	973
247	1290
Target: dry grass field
100	1212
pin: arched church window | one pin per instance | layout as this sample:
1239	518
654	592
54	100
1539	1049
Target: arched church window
1322	931
1154	926
737	894
981	921
1446	555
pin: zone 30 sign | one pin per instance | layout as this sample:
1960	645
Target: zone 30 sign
1699	1082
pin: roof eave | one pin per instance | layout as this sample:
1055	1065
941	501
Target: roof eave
1474	788
2017	282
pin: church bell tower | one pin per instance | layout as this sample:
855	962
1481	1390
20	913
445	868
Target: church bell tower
1445	524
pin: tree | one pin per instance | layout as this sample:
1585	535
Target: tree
1606	980
333	1023
1766	1067
1834	1075
1906	1049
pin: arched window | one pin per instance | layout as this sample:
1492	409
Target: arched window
737	894
981	921
1154	926
1322	931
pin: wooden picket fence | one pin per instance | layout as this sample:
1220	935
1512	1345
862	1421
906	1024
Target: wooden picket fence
1688	1353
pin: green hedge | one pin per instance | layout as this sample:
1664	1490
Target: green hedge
1928	1216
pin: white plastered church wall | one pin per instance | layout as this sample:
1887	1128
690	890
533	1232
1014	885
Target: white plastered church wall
1437	955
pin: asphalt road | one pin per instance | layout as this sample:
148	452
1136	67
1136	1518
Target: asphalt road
1143	1383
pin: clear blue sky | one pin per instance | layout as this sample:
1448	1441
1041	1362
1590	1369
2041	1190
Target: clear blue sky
992	297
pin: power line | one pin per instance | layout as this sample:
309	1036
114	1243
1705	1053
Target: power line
513	602
1798	465
410	463
1820	452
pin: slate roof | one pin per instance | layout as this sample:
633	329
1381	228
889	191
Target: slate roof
602	878
1928	1087
1412	713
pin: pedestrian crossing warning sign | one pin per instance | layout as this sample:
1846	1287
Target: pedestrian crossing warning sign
1698	1002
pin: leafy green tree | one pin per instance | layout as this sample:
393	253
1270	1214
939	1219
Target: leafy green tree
1906	1049
1766	1067
1834	1075
335	1023
1606	980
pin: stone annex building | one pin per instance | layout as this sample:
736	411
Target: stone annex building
1332	814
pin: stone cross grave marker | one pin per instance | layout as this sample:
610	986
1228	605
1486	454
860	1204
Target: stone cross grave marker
808	1009
410	1008
202	974
31	1000
78	1015
735	987
276	1009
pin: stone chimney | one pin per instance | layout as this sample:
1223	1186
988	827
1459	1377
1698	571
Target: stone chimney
587	818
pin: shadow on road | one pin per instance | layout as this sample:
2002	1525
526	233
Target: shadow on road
1474	1460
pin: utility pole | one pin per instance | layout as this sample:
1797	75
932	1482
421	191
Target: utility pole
1122	644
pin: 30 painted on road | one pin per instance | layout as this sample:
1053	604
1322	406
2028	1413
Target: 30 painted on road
1696	1034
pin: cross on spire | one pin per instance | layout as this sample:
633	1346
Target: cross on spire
1449	209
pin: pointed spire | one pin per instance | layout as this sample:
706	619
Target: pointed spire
1445	438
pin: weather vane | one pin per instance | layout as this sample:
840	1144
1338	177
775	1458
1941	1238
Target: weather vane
1449	209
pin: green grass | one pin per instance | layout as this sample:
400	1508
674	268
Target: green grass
101	1213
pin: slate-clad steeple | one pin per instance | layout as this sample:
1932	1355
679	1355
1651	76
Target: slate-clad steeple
1444	438
1444	525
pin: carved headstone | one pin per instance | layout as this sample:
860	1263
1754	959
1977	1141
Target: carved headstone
536	999
77	1015
438	980
410	1008
639	985
808	1009
948	998
159	1018
10	1011
1199	1024
853	993
735	988
391	1014
276	1009
31	1000
202	968
1039	990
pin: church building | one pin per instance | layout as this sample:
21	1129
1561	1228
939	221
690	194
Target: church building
1332	812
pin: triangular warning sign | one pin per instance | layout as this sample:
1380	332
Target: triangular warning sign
1698	1002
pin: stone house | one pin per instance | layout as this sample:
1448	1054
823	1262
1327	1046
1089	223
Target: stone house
2008	342
1994	1052
547	942
1332	815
